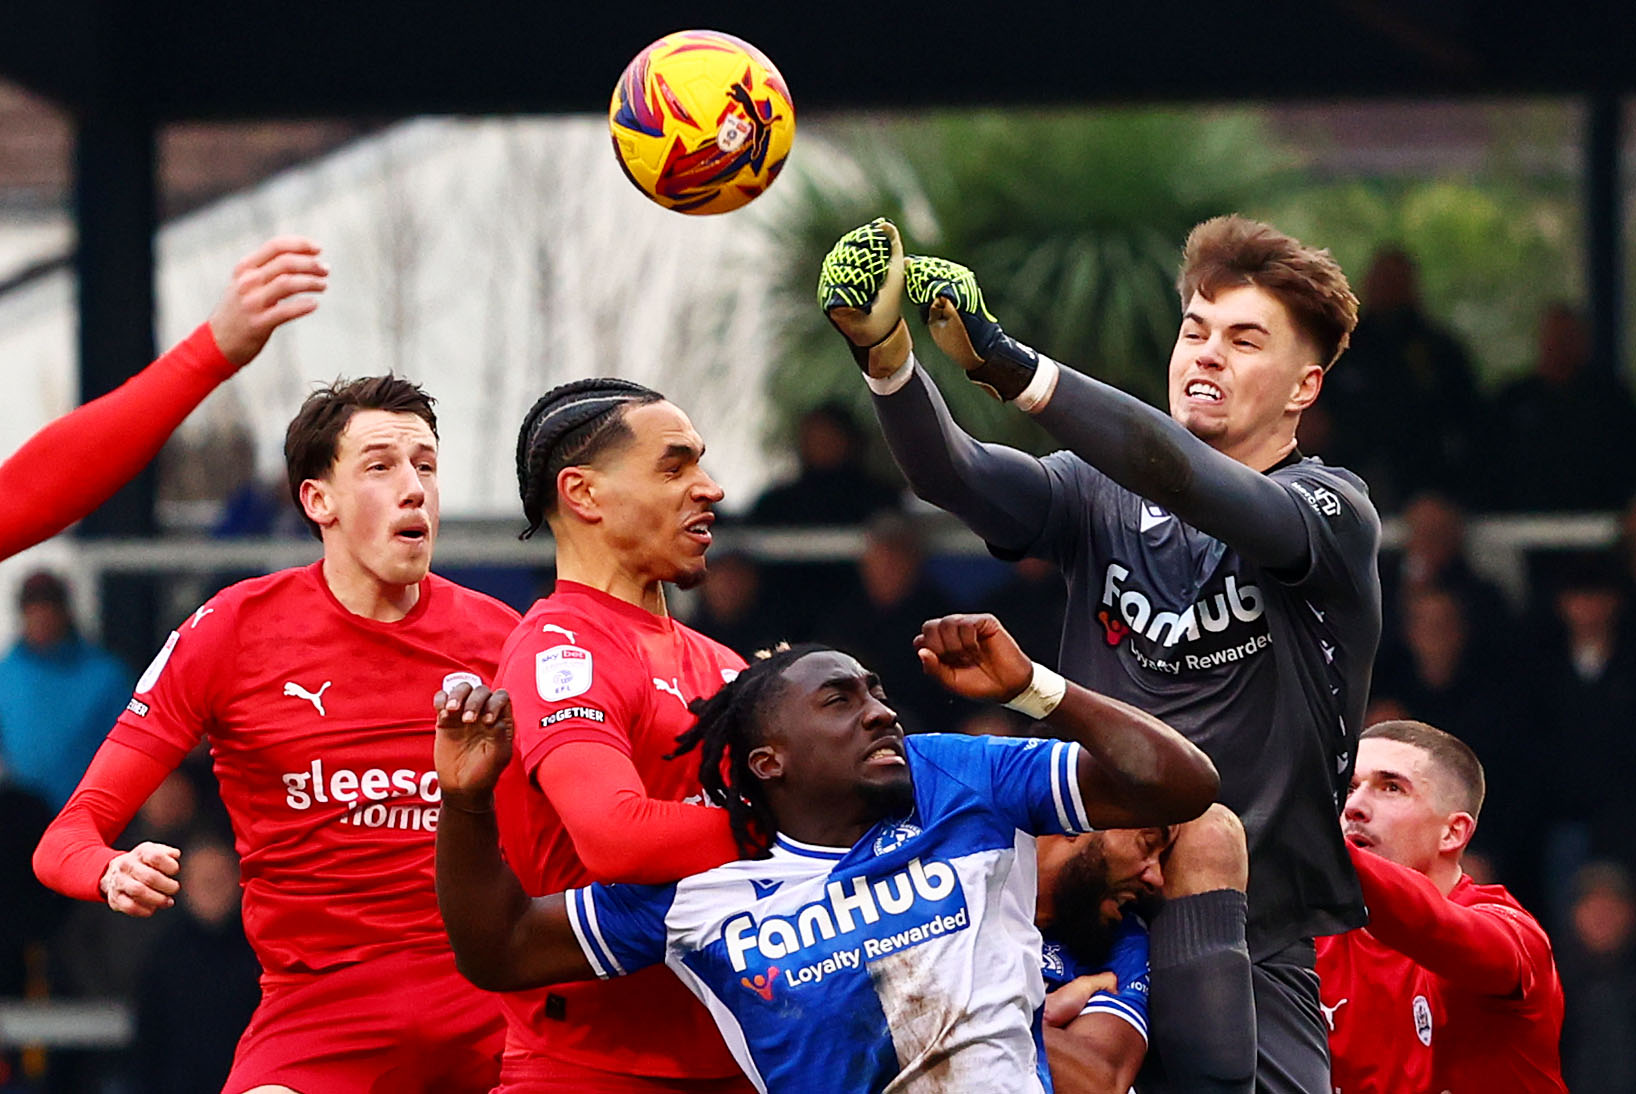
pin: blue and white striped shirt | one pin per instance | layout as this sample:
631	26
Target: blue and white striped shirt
908	961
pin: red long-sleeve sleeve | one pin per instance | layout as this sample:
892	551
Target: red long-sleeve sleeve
76	848
76	463
1485	948
622	834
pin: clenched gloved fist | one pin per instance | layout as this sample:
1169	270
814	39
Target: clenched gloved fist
860	288
952	306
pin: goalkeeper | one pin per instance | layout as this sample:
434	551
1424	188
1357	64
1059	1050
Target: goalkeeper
1216	577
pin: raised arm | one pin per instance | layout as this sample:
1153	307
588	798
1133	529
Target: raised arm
1489	949
77	462
502	939
1150	454
1135	445
1000	493
1134	770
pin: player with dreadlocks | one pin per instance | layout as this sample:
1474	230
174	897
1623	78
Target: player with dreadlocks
728	727
884	936
601	676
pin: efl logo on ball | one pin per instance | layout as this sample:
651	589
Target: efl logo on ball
702	121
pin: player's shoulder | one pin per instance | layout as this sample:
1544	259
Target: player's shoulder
566	621
1326	488
941	749
1495	900
697	642
472	606
272	592
1071	467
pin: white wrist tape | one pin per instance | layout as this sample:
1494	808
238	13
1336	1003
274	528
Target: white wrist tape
1042	694
1040	388
890	384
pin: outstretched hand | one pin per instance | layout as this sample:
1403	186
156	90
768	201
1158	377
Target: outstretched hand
474	733
973	656
271	286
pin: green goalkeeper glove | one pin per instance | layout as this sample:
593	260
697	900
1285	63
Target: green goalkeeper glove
961	325
860	288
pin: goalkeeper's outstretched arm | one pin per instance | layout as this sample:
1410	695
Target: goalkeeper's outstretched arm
1149	453
998	492
1003	495
1135	445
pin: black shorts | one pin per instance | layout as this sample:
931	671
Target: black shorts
1292	1042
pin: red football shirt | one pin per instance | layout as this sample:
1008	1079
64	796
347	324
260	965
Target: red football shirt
320	726
584	666
1468	977
1379	1006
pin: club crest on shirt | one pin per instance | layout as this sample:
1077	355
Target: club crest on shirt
895	836
1052	961
454	678
562	672
1422	1020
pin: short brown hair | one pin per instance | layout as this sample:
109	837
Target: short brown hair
314	436
1450	755
1227	252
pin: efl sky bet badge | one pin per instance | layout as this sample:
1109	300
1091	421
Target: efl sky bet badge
562	672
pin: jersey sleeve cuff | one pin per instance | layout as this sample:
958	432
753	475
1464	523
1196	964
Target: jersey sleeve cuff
582	918
199	350
1065	792
892	384
1033	398
1112	1004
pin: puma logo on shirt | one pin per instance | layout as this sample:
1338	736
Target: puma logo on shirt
316	698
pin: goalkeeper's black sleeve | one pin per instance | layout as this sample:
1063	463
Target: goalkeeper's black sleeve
1150	454
1004	495
1000	493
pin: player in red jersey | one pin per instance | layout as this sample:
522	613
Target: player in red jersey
1452	986
75	463
311	684
600	676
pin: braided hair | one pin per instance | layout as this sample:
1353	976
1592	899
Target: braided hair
730	724
571	424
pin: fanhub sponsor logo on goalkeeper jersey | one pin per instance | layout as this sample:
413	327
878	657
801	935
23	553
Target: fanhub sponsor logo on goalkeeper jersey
1236	613
870	918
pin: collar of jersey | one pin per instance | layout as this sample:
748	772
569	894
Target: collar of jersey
635	613
810	850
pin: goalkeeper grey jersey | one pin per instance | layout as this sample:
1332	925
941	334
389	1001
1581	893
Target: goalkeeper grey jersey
1259	652
1267	673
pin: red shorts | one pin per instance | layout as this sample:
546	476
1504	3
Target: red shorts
520	1074
404	1023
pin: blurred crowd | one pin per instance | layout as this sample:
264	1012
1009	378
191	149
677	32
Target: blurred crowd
1540	679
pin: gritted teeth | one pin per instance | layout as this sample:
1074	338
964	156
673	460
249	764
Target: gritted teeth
885	750
1204	389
